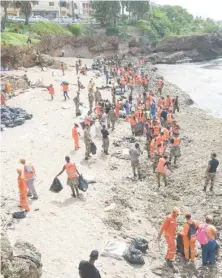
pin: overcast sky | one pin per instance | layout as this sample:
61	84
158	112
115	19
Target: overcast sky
204	8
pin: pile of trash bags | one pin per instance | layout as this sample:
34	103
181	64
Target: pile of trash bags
134	253
13	116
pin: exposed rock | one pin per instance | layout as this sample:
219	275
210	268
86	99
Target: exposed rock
193	48
45	60
24	261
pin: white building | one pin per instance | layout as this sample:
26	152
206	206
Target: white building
57	8
48	9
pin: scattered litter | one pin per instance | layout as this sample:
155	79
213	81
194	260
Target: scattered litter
114	249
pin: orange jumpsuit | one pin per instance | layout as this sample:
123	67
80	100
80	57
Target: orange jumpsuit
189	243
169	228
23	190
117	108
75	137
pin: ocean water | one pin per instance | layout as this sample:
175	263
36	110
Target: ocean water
202	81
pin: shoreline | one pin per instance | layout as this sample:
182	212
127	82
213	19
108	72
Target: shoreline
140	207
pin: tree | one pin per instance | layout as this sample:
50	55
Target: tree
5	5
139	8
106	11
26	8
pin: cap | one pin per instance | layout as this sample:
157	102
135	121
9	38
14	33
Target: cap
177	210
94	254
22	160
209	217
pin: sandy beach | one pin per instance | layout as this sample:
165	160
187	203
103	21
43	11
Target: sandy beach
65	229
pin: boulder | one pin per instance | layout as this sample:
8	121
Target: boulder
22	261
45	60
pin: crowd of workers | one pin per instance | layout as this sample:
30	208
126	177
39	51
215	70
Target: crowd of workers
148	113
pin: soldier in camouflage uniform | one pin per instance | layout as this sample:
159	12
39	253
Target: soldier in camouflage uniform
87	141
77	102
91	100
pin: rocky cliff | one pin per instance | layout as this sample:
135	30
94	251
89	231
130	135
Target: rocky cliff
193	48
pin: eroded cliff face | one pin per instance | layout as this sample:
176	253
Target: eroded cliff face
193	48
87	47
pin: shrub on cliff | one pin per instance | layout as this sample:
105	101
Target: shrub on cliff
44	28
112	30
75	29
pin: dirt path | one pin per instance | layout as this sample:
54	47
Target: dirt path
65	229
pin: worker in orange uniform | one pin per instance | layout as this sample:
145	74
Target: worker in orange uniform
23	190
168	102
161	168
161	102
158	152
189	237
29	175
160	86
51	91
169	227
65	89
133	122
75	136
72	174
117	108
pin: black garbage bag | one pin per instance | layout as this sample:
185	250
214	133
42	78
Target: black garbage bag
140	244
83	184
93	148
56	186
28	116
139	127
19	214
19	121
133	255
180	246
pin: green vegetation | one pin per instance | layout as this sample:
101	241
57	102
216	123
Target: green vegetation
44	28
112	30
15	39
150	20
75	29
164	21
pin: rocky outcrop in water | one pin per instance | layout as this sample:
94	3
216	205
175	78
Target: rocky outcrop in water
194	48
21	261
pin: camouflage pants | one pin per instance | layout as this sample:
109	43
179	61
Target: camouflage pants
90	105
155	161
136	166
174	152
105	144
88	148
210	177
159	175
73	183
113	124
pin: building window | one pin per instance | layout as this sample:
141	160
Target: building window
51	4
35	3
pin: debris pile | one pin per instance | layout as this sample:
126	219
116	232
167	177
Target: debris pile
13	116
